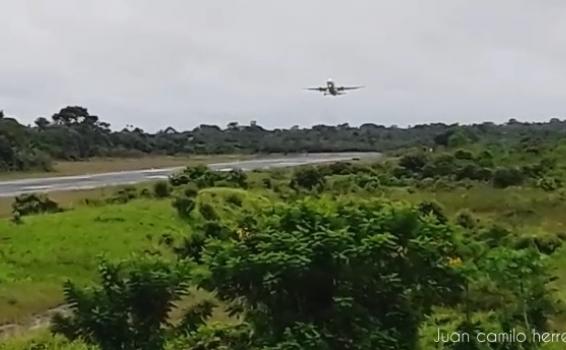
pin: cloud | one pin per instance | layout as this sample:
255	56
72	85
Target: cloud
183	63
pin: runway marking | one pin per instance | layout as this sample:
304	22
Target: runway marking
38	187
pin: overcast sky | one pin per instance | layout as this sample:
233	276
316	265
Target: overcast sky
183	63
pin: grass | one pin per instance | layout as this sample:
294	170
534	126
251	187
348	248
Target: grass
41	340
65	199
521	208
37	256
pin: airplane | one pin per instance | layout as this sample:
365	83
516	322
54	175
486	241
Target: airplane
332	89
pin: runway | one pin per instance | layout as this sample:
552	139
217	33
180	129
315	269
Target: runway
88	181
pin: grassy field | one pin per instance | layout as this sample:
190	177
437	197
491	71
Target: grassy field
39	255
521	208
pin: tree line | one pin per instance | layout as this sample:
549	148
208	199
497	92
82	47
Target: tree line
75	134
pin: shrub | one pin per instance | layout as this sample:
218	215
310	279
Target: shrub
28	204
184	206
130	308
310	178
463	155
413	162
207	211
548	184
16	218
466	219
191	190
367	182
267	182
179	180
124	195
161	189
238	178
434	209
548	243
505	177
495	235
191	246
314	265
234	199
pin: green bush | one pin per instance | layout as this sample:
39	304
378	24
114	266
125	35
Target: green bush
190	190
29	204
548	243
313	265
267	183
466	219
234	199
130	309
161	189
548	184
207	211
434	209
184	206
309	178
506	177
124	195
463	155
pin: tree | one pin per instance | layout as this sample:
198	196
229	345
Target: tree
335	275
41	123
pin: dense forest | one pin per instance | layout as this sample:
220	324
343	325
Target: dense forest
74	134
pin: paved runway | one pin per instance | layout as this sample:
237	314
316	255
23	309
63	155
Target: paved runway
66	183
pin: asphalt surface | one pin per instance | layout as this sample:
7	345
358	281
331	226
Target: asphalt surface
67	183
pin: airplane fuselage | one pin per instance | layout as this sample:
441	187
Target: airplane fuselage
331	88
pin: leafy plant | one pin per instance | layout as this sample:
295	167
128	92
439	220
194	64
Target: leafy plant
130	308
161	189
28	204
323	275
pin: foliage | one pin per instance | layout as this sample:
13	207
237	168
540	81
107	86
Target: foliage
505	177
161	189
305	277
434	209
207	211
130	309
466	220
34	203
184	206
309	178
124	195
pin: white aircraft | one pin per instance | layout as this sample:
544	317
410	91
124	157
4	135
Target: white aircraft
332	89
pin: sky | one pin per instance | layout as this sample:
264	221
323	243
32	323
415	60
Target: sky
182	63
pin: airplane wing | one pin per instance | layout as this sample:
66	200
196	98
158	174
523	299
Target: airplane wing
316	89
342	88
